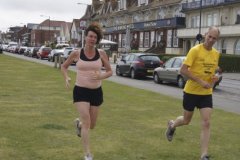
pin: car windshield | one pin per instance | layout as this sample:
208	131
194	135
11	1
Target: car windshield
150	58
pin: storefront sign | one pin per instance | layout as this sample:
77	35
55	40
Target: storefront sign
150	24
172	22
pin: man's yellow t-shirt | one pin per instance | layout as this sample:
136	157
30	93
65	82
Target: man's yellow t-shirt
202	63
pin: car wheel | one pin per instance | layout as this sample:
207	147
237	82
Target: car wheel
156	78
118	73
133	74
215	85
181	82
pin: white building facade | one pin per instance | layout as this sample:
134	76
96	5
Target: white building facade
224	14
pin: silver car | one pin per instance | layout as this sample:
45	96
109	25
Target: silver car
170	72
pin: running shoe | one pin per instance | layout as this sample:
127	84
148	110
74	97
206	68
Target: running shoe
206	157
88	157
78	127
170	131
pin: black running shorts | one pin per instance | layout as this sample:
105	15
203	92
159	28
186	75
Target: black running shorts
190	101
93	96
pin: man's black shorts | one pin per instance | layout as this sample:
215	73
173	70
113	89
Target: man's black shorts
190	101
93	96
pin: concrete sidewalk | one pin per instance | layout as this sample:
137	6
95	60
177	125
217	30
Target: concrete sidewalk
232	76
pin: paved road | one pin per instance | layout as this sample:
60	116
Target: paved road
225	97
222	99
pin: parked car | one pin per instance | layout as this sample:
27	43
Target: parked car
4	47
43	52
61	45
54	53
138	65
33	52
22	49
27	51
66	52
1	48
13	49
170	72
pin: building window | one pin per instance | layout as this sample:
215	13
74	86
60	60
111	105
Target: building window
136	18
122	5
147	16
116	21
175	39
215	19
161	13
209	20
141	39
195	21
123	40
152	42
169	38
212	19
146	39
142	2
120	40
238	18
237	47
224	46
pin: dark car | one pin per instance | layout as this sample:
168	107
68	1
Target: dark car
22	49
170	72
33	52
138	65
1	48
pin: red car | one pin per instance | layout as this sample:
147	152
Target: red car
43	52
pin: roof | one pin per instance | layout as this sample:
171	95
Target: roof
52	23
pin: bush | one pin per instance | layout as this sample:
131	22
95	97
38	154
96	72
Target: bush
229	63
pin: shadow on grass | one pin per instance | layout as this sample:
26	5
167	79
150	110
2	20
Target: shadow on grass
53	126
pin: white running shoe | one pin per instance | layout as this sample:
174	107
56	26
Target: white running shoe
88	157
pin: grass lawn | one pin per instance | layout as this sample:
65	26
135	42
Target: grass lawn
36	121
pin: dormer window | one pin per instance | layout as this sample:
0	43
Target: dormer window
122	4
142	2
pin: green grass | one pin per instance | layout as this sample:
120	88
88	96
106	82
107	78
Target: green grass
36	121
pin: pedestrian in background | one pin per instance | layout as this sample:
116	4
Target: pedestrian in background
87	92
199	66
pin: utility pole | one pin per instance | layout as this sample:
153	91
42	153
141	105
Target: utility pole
83	31
199	35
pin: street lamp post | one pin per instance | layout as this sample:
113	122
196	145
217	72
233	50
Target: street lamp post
83	31
199	35
49	39
200	20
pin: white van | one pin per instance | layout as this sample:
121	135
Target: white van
12	44
61	45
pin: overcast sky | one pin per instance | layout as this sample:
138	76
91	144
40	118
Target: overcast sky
21	12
